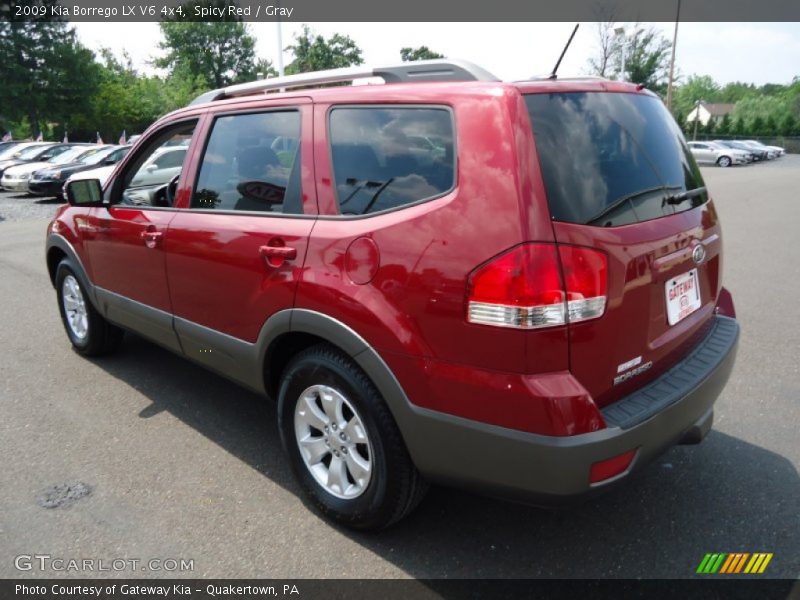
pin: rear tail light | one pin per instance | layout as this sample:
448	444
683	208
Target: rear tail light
539	285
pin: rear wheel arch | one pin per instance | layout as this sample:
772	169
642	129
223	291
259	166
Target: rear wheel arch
295	330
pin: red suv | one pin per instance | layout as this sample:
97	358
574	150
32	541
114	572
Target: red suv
508	287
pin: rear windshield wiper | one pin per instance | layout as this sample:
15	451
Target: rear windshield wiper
627	198
678	198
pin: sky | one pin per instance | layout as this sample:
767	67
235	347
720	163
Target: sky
750	52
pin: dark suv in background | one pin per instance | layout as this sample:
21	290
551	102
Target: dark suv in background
513	288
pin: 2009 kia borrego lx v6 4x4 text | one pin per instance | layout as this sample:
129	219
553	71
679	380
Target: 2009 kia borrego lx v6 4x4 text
529	305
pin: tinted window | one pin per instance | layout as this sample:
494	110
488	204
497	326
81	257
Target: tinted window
611	159
145	182
389	157
252	162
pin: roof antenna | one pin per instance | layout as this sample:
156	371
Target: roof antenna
563	52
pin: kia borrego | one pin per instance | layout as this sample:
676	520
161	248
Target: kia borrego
490	312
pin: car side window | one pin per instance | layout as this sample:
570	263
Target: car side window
53	152
387	157
252	163
156	167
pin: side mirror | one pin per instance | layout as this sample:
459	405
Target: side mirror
151	168
109	161
84	192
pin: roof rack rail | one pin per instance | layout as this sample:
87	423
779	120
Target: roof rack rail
423	70
576	78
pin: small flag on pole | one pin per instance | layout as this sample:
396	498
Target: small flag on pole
7	137
122	139
40	137
99	139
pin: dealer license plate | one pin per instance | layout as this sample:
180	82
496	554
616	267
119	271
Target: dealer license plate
683	296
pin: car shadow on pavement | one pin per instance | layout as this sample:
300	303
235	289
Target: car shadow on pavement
725	495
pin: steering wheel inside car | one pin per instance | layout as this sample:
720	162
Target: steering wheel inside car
171	190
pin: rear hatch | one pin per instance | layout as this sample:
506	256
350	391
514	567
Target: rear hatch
619	178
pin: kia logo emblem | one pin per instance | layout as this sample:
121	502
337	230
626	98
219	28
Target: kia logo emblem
698	254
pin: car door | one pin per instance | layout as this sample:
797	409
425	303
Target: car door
236	251
125	241
702	153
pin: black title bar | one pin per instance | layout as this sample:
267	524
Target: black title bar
407	10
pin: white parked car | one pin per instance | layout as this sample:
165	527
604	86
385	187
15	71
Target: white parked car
15	179
711	152
100	173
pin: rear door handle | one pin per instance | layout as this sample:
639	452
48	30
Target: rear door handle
284	252
151	238
275	256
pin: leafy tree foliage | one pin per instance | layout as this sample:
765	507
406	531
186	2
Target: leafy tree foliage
789	125
696	88
724	127
421	53
222	52
312	52
647	54
647	60
47	74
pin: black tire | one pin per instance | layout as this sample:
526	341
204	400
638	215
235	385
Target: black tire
724	161
395	486
101	337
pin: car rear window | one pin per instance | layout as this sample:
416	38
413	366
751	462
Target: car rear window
612	159
385	158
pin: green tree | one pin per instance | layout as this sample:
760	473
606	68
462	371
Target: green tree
48	76
647	60
762	106
724	125
696	88
770	125
757	126
312	52
680	119
222	52
739	127
789	125
735	91
710	127
421	53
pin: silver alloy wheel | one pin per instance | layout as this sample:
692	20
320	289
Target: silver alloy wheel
333	442
724	161
75	307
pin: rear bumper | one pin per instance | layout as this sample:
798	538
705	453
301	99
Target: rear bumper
540	469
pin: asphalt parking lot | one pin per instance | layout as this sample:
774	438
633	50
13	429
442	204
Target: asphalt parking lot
185	465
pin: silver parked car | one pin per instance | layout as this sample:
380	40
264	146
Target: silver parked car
711	152
774	151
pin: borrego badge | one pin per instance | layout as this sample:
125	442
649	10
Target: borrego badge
633	372
698	254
